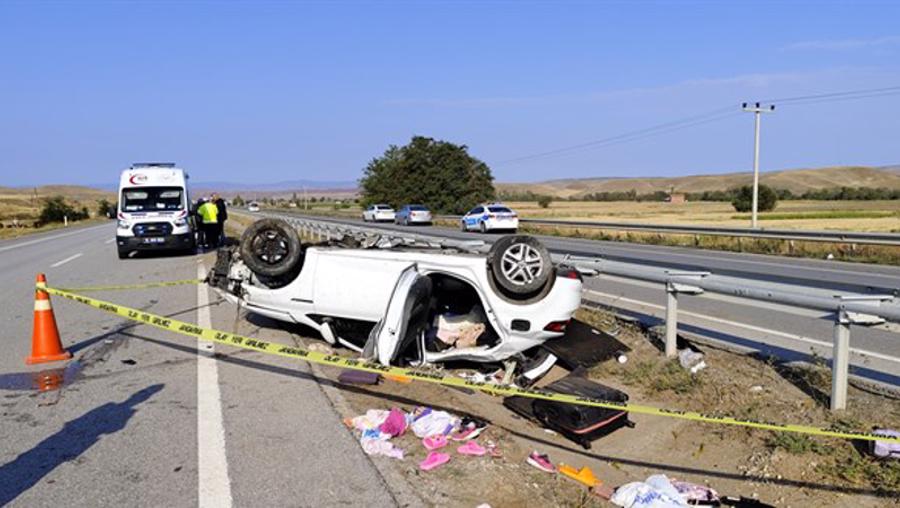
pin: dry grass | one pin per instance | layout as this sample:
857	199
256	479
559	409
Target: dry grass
833	215
24	206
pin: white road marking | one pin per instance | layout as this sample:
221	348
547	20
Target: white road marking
213	487
111	240
64	261
823	344
48	238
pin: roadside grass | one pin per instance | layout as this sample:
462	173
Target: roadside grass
658	377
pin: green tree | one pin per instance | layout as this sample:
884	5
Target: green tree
544	201
743	199
56	209
237	201
105	208
438	174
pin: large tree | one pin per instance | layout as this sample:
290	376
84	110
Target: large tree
438	174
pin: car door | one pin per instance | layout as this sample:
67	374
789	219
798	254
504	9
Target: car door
405	317
353	284
473	216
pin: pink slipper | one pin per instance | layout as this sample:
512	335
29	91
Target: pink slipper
433	460
434	442
472	448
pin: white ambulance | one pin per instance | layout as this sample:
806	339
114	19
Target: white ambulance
154	209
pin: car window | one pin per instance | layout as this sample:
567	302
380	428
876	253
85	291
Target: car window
476	210
499	209
418	208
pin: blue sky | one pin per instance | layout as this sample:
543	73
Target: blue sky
266	92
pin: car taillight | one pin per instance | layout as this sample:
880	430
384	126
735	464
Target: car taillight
569	273
556	326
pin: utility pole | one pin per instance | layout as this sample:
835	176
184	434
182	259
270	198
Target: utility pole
756	109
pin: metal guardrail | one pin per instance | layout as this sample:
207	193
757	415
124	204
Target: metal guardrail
863	238
846	310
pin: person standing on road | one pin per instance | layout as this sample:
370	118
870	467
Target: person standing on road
222	216
209	216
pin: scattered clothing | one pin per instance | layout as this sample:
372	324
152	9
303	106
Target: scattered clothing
694	493
373	440
460	330
541	461
395	423
656	492
381	447
885	449
430	422
434	460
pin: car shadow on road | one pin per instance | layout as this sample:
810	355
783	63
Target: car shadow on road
76	437
394	399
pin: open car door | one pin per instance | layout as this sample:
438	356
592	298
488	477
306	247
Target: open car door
404	321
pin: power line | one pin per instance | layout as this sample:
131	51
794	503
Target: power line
704	118
639	132
894	89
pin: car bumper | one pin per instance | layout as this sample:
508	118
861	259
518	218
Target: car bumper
498	224
384	217
419	220
170	242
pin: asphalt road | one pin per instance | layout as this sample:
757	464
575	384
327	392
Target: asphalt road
149	418
786	332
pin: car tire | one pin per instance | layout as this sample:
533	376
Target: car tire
520	265
482	228
462	226
123	254
271	248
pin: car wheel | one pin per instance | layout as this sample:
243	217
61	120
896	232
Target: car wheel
520	265
271	248
482	228
123	254
462	226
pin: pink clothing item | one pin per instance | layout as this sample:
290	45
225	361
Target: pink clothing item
434	460
472	448
394	424
435	442
380	447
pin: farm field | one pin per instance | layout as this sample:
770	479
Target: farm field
826	215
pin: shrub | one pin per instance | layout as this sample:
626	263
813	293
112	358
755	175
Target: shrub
743	199
544	201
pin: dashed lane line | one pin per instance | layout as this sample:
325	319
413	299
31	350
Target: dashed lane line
64	261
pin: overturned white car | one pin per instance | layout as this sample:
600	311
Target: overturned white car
406	304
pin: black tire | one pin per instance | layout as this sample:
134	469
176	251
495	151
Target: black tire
123	254
462	226
271	248
482	228
520	265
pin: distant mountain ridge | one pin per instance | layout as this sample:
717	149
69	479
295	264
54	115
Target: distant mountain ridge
797	180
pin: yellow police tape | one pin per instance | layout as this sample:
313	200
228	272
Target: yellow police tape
163	284
241	341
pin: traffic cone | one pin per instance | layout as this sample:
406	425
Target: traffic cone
45	343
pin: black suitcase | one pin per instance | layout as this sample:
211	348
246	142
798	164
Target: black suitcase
580	424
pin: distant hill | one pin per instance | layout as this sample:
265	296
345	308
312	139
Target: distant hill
797	180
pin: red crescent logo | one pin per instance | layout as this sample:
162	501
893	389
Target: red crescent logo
138	179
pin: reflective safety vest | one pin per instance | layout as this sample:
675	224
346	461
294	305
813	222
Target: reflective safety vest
209	212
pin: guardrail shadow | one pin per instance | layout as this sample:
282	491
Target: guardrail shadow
76	437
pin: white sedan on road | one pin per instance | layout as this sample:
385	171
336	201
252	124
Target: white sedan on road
490	217
379	213
402	305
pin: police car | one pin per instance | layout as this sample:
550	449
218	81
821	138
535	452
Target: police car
490	217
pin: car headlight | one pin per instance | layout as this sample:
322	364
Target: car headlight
124	224
180	223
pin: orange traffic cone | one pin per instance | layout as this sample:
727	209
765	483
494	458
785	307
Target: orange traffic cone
45	343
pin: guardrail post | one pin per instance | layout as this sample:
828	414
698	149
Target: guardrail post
840	361
673	287
671	320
